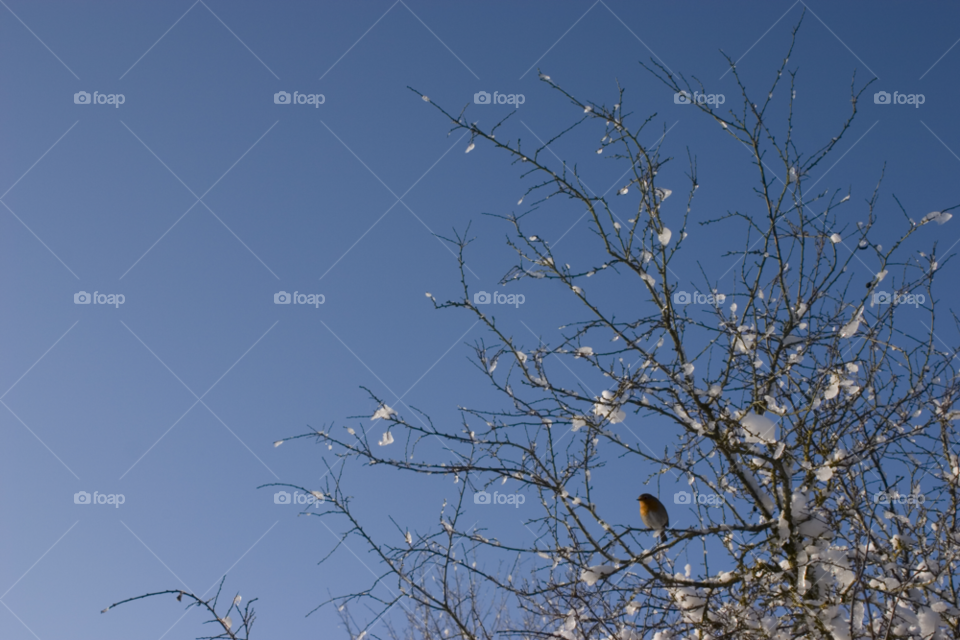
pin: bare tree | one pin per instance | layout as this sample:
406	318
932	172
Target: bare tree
226	627
795	400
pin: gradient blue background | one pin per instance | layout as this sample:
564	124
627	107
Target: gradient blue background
314	219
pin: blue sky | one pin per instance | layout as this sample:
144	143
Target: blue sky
198	198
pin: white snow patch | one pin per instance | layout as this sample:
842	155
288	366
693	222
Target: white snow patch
385	412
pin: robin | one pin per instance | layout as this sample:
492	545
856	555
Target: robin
654	514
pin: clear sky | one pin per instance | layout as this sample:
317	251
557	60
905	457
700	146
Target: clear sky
198	198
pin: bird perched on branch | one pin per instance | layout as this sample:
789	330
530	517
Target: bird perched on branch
654	515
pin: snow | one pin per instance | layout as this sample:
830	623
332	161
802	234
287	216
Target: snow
384	413
664	236
690	603
584	352
590	575
833	620
759	428
850	329
386	439
835	238
832	389
744	342
792	339
936	216
470	148
607	408
929	621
